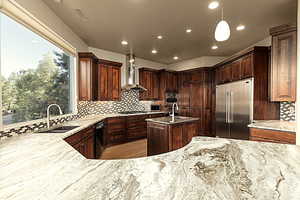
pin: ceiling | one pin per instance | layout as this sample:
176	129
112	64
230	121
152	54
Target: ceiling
105	23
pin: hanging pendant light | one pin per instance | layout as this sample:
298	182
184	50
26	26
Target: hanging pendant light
222	31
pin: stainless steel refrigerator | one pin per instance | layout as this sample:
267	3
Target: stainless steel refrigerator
234	109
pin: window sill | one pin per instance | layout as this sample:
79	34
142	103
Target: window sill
17	125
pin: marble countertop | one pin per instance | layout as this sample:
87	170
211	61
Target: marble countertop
277	125
44	166
168	120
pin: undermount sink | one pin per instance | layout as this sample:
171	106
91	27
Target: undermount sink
62	129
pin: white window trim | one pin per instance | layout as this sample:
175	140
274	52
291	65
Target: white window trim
12	9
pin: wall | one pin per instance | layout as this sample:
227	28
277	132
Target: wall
42	12
117	57
298	79
204	61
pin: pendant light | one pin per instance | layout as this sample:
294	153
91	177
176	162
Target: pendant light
222	31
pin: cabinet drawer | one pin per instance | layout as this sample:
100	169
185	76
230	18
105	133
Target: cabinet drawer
272	136
116	127
77	137
115	120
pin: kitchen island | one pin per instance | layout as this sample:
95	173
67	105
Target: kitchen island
165	134
44	166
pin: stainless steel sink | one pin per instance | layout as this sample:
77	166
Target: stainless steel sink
62	129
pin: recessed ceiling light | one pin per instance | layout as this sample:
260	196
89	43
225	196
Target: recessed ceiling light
154	51
124	42
188	30
240	27
213	5
175	58
214	47
159	37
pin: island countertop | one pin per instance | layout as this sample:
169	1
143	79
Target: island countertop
168	120
44	166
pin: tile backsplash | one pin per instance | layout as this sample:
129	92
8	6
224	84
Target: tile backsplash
287	111
129	102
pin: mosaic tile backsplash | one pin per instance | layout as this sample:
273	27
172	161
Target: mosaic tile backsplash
129	102
287	111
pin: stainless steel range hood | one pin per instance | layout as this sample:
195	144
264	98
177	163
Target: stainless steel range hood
131	73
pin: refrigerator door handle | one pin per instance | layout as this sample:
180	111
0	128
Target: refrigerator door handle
226	107
231	106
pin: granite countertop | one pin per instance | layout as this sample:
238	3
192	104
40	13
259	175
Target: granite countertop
44	166
277	125
167	120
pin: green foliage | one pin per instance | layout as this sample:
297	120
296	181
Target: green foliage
27	93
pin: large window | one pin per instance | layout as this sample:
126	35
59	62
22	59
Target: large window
34	74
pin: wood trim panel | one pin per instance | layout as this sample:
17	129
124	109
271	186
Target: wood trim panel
264	135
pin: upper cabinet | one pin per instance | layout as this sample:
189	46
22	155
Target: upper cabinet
109	84
98	79
251	63
168	81
284	63
149	79
87	77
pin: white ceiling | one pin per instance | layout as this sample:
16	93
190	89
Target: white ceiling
104	23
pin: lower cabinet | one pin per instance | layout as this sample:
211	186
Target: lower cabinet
119	130
264	135
115	131
84	142
163	138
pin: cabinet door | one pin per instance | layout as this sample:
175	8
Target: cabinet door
103	82
155	85
80	147
196	95
219	76
236	70
114	83
85	79
247	66
149	80
227	73
283	69
90	147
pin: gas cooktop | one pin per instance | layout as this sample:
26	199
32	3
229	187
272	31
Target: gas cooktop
132	112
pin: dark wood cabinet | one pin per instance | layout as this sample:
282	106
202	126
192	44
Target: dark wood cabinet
115	131
284	63
236	71
84	142
162	138
196	94
168	82
109	80
136	127
263	135
87	77
149	79
247	66
252	62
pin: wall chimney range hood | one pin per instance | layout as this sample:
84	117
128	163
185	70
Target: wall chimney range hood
130	72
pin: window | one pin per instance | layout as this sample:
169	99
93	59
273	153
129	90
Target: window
34	74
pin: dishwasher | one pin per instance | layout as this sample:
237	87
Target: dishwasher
99	139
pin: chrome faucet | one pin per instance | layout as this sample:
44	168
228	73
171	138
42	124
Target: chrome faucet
48	113
173	111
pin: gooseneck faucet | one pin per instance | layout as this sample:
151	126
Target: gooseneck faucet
48	113
173	111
